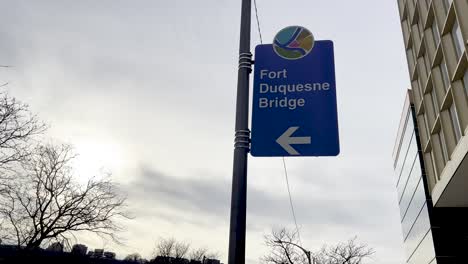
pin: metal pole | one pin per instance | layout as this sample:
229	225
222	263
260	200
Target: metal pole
241	144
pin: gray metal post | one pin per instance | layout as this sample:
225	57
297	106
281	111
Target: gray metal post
241	145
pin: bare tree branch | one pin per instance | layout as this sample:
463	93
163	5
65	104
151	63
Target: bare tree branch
281	242
171	248
284	248
165	247
18	127
45	202
181	249
350	252
198	254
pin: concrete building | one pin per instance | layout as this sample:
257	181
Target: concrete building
430	154
435	34
431	234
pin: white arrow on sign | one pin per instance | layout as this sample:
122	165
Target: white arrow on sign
285	141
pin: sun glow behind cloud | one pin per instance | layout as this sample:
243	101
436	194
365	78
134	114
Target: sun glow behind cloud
97	158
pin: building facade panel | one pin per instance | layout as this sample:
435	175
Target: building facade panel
437	235
432	187
411	191
425	251
412	184
435	34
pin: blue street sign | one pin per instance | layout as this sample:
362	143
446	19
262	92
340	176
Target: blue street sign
294	101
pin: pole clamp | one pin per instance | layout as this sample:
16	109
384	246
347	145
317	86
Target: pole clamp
245	61
242	139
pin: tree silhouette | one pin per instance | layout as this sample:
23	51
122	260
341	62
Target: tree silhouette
45	201
200	253
134	258
18	126
170	247
285	248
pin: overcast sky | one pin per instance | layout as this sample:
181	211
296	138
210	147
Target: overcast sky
146	90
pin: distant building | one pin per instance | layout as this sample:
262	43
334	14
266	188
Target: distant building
211	261
97	253
162	260
171	260
55	247
79	249
109	255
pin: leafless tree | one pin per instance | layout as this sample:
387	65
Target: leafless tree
181	249
134	258
200	253
45	202
349	252
285	248
165	247
170	247
18	126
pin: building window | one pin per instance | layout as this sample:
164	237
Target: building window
416	35
414	54
447	4
457	39
423	130
427	63
428	3
435	34
421	87
426	122
465	81
406	29
443	145
411	59
455	122
445	75
431	172
434	165
420	28
434	102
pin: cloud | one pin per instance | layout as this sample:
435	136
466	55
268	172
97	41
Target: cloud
210	197
206	196
158	79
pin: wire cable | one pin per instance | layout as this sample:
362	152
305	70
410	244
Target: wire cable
258	22
284	162
291	202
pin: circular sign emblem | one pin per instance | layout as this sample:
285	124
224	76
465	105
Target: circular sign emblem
293	42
